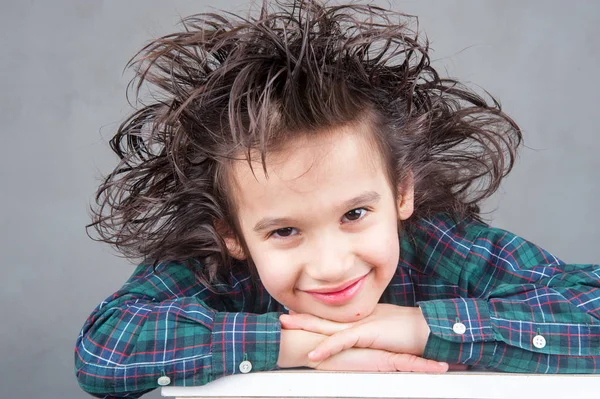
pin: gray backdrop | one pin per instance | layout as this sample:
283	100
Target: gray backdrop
62	96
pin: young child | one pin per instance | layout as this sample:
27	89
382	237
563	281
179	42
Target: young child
310	161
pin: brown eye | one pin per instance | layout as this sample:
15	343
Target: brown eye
285	232
355	214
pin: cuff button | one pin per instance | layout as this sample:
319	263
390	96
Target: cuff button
164	380
245	366
459	328
539	341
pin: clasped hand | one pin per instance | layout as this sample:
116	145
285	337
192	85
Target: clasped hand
392	338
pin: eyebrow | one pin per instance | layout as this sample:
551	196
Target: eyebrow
366	198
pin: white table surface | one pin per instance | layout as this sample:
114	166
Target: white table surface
463	384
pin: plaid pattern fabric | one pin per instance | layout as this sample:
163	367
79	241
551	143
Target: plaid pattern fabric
504	291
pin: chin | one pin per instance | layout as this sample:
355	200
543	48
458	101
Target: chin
348	315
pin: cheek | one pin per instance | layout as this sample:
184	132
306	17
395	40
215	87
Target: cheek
381	248
277	273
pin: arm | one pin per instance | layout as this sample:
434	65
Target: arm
167	324
487	298
514	293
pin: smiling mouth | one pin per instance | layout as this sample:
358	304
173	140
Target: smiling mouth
341	294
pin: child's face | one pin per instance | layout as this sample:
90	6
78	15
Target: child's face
323	228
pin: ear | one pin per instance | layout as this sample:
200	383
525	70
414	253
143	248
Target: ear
406	198
234	247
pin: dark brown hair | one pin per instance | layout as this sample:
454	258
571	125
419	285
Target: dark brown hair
227	85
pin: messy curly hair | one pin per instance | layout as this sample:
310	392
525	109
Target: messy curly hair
227	86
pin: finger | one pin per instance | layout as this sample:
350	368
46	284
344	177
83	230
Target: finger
356	360
311	323
359	359
404	362
338	342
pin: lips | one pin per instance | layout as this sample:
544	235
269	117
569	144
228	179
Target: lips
339	295
336	289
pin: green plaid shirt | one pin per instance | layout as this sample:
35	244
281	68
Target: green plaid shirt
491	299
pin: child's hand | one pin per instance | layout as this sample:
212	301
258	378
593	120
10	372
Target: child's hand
295	346
358	359
391	328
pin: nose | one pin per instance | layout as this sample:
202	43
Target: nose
331	259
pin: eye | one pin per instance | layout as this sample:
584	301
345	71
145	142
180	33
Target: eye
355	214
284	233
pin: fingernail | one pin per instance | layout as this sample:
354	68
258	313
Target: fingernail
312	354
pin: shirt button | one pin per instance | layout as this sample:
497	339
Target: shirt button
164	380
539	341
459	328
245	366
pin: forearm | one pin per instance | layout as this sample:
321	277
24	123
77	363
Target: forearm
503	357
163	323
127	346
475	332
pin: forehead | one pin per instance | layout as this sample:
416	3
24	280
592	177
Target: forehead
309	172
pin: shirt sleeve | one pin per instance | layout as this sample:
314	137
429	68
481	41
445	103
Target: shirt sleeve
521	309
164	327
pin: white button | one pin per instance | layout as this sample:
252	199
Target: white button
539	341
164	380
459	328
245	366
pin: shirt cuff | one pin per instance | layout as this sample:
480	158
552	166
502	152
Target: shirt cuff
244	337
461	331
